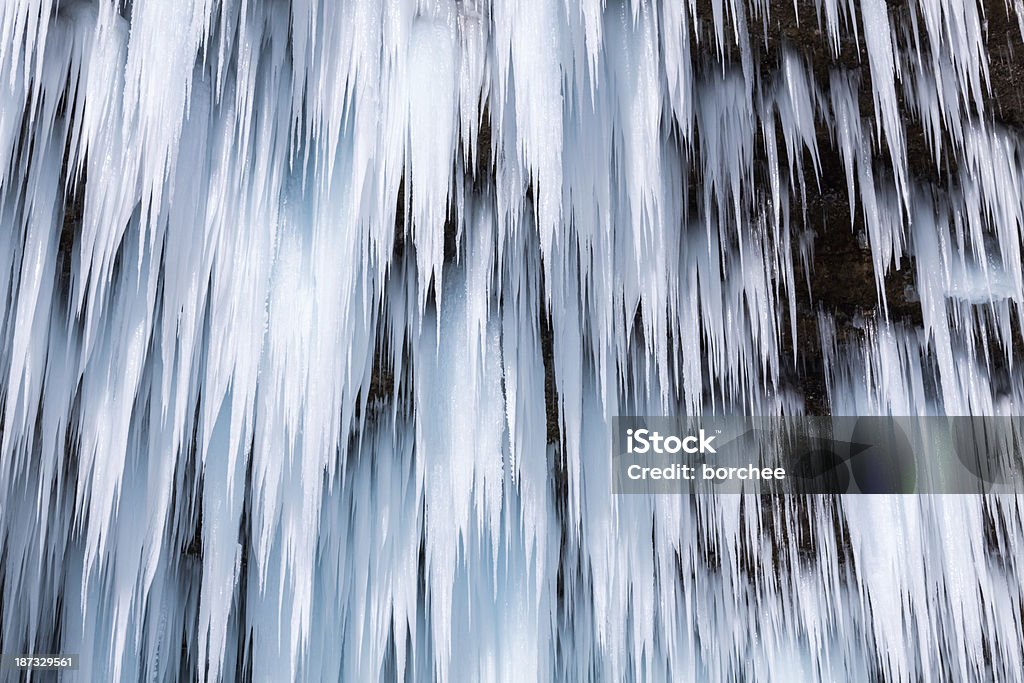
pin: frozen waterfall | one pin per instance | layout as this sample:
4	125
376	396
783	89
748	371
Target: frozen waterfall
314	314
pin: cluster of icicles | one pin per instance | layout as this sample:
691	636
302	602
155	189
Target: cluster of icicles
314	314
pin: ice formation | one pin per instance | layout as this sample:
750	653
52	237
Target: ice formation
314	315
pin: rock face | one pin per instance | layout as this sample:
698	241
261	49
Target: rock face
315	316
